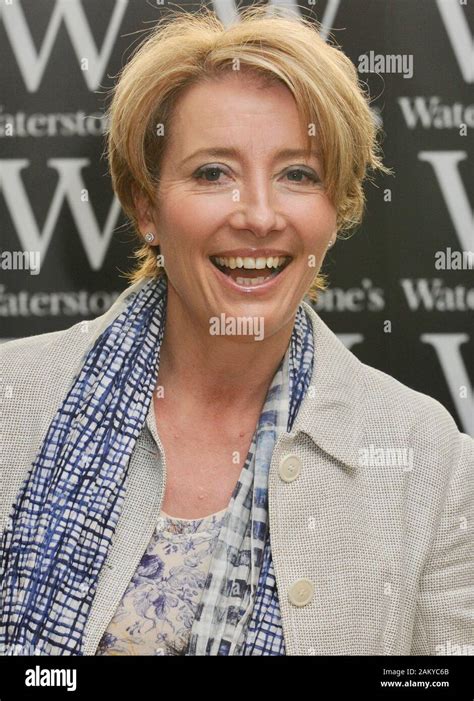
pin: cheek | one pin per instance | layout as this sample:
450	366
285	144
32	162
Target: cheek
316	223
188	220
328	217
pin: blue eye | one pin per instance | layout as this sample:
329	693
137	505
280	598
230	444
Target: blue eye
206	170
312	177
211	174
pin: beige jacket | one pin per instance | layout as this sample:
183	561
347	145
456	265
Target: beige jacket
375	513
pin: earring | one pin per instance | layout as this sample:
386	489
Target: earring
330	244
150	236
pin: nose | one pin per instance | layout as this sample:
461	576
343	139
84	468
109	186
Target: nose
255	209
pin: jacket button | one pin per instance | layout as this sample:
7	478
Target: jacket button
290	468
301	592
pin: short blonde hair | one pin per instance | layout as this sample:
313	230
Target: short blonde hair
185	48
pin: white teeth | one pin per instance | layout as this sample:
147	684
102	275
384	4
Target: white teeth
251	281
249	263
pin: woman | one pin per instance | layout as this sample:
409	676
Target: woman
211	471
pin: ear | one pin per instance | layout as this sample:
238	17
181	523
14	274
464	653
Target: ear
143	209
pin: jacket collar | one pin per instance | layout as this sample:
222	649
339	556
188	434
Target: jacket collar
331	413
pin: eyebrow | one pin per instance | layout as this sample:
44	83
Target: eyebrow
232	152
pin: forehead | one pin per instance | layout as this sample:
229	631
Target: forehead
236	110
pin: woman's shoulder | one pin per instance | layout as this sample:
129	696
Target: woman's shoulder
414	419
379	399
34	357
385	390
37	372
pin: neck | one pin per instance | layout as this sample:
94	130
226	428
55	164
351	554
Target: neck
224	372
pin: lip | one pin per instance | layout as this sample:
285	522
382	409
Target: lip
251	253
255	291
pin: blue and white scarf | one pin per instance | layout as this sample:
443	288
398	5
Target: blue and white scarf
239	611
64	519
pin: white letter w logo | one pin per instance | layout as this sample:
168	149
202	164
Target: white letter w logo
459	35
69	187
32	65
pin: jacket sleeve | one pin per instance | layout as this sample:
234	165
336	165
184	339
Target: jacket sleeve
444	619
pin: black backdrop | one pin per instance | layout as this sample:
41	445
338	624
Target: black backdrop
58	58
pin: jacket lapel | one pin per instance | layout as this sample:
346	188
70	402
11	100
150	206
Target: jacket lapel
331	413
321	525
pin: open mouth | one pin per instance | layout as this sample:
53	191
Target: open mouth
250	272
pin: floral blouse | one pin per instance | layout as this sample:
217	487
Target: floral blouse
157	610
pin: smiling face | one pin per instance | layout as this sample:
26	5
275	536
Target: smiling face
242	218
